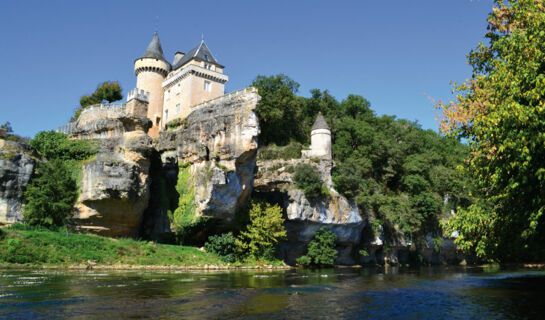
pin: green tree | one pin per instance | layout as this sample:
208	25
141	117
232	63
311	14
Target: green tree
321	249
263	232
279	110
109	91
50	196
501	113
390	167
224	245
307	178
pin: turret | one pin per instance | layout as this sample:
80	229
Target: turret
151	70
320	139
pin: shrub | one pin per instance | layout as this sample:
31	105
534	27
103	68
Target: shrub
50	195
224	245
303	260
308	179
56	145
265	229
272	151
321	250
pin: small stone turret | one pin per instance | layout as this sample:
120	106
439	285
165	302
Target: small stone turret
151	70
320	140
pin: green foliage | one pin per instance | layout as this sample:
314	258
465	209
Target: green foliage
392	168
303	261
501	113
56	145
308	179
272	152
279	110
53	190
363	253
263	232
50	195
321	249
109	91
86	101
171	125
182	220
224	245
37	246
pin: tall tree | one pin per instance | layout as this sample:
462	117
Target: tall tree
279	110
501	113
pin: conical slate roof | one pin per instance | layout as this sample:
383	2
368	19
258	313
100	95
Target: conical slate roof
154	49
201	52
320	123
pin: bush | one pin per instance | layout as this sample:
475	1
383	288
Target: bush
321	250
272	151
224	245
303	260
56	145
50	195
266	228
308	179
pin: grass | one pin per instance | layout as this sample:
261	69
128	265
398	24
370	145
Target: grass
24	245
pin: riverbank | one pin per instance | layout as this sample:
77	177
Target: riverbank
26	248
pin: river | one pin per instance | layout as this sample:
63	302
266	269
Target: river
345	293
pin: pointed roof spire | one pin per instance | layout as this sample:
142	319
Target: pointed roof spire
154	49
200	52
320	123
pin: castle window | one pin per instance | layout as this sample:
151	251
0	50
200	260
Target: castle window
178	108
166	115
206	85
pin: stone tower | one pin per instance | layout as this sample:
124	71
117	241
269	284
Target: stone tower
151	70
320	139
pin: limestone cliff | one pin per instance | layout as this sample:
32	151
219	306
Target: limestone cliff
305	216
218	142
16	167
115	184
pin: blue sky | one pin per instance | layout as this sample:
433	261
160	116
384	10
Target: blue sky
393	53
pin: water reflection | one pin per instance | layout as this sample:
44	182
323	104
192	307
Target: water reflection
393	293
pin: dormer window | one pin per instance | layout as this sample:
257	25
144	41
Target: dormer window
206	57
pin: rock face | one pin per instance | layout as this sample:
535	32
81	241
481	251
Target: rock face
218	140
115	185
16	167
305	216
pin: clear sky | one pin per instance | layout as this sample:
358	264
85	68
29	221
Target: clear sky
391	52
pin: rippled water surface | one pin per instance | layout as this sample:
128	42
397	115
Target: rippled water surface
425	293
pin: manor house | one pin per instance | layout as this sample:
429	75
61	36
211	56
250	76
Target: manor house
174	88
